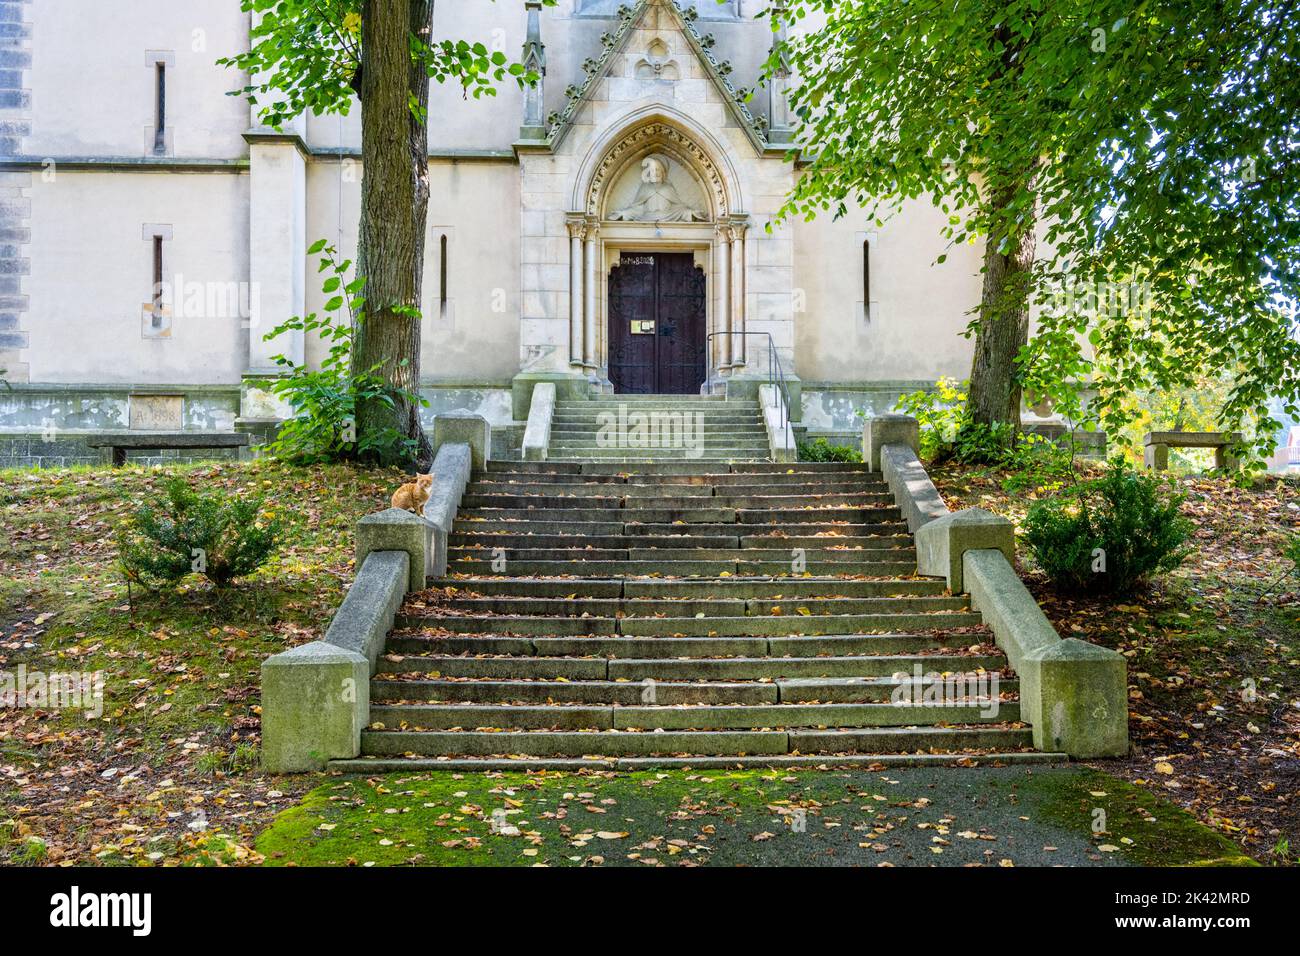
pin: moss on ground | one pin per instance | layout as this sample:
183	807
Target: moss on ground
179	731
1146	830
930	816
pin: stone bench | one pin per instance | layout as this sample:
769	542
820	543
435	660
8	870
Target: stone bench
1158	445
113	446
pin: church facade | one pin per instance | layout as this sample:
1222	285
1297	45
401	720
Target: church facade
611	229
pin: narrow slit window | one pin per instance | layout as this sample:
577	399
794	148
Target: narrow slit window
442	277
160	108
866	277
156	318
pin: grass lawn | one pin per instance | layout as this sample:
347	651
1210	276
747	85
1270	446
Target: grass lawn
168	773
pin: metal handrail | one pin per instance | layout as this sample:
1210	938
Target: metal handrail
775	374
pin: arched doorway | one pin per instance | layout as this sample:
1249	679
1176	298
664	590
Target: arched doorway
657	324
657	261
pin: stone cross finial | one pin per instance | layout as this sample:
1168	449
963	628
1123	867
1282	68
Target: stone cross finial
534	60
780	129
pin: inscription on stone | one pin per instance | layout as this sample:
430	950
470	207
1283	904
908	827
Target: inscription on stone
156	412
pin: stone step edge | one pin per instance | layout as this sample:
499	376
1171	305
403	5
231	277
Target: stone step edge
462	583
593	665
779	683
367	765
442	717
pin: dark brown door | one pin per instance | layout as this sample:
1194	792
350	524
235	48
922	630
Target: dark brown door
656	323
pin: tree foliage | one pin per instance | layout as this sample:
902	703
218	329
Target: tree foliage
1163	142
304	56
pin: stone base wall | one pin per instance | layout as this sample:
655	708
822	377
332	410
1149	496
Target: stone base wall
833	408
34	451
48	426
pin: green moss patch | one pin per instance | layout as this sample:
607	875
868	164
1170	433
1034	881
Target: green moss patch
926	816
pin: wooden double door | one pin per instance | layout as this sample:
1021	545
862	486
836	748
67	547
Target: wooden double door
657	321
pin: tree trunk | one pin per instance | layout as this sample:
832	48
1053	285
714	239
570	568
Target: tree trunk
394	205
1003	327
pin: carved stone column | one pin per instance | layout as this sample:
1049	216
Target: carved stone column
591	272
737	294
577	224
721	357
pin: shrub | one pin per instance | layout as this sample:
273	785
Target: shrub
324	400
1110	534
947	433
940	411
216	534
946	428
822	450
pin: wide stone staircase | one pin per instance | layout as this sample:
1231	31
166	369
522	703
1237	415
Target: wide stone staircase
702	612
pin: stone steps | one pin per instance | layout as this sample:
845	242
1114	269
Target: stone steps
582	426
935	615
677	543
487	552
873	761
609	476
680	568
611	489
410	641
692	608
637	503
418	717
768	667
701	470
605	613
802	690
686	513
770	588
633	456
657	429
740	743
524	526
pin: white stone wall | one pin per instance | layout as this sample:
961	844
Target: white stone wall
92	275
476	205
91	99
910	330
93	77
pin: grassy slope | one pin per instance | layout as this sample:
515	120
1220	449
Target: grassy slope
1213	654
176	745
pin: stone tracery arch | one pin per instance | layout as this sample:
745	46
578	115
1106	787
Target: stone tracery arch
638	141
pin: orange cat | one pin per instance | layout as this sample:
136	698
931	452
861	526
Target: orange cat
412	495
